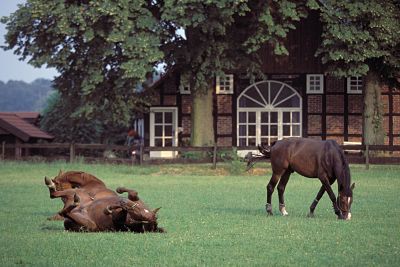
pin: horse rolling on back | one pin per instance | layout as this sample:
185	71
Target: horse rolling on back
324	160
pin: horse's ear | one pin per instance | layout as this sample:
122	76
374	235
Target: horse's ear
352	186
60	172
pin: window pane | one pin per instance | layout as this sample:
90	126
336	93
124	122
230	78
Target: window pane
242	117
274	130
264	130
274	117
273	139
252	117
242	130
264	117
264	140
157	142
286	117
296	130
158	117
252	130
242	141
158	130
168	141
168	117
286	130
168	130
295	117
252	141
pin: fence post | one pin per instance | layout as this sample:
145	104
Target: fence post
367	156
215	156
72	152
3	150
141	151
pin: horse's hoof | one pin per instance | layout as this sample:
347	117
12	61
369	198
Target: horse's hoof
119	190
56	217
310	215
49	183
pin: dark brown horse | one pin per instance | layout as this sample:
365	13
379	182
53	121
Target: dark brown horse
324	160
110	213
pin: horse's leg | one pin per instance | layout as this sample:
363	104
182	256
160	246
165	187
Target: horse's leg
132	194
270	189
327	184
316	200
78	217
281	190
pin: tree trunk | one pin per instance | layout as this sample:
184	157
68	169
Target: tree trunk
202	118
374	132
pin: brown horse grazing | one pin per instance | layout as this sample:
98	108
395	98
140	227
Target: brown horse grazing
324	160
112	213
91	185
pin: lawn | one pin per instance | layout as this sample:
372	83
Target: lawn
212	218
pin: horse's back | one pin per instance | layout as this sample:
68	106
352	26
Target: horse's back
308	157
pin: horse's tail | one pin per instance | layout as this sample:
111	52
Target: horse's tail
265	154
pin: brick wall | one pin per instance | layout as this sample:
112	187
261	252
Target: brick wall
314	124
334	103
224	103
169	100
396	124
224	125
186	104
385	103
334	125
355	125
224	141
396	104
186	124
314	103
334	84
355	103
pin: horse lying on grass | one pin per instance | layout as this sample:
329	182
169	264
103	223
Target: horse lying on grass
94	187
324	160
82	212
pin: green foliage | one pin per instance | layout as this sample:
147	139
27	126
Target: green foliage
22	96
101	49
359	36
210	220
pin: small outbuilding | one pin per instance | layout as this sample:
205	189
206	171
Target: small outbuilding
21	127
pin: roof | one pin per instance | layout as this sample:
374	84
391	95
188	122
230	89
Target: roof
24	114
15	125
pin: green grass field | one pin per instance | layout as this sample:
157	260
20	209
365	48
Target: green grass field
212	219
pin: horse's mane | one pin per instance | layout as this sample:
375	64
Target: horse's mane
344	179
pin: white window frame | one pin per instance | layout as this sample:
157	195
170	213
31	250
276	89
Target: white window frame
311	87
269	107
164	154
354	89
224	85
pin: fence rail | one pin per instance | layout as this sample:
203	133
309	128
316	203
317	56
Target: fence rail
355	153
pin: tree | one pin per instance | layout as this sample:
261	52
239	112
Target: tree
103	48
362	38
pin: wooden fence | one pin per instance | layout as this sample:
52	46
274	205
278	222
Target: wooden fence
364	154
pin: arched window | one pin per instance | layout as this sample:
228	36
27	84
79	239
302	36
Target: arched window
268	111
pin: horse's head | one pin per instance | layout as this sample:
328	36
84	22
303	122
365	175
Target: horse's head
344	202
139	212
